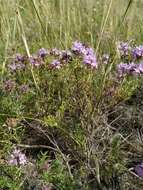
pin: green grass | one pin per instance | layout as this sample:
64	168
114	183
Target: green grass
57	23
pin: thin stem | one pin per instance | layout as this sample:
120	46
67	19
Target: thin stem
102	30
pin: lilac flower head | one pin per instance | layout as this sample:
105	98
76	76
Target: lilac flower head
78	47
139	170
9	85
24	88
89	57
56	64
130	68
17	158
55	52
140	68
66	55
43	52
90	60
12	66
124	68
20	66
87	51
123	48
137	52
19	58
36	61
16	66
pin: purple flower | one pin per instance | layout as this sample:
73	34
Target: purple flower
55	52
19	58
140	68
89	57
43	52
124	68
16	66
88	51
24	88
130	68
139	170
17	158
17	63
36	61
12	66
20	66
78	47
124	49
137	52
9	85
56	64
66	55
90	60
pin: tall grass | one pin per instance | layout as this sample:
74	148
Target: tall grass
58	22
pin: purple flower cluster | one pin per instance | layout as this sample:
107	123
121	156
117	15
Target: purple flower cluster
17	158
36	61
43	52
89	57
61	57
78	48
24	88
16	66
130	68
124	48
90	60
17	63
19	58
65	56
55	52
133	57
133	53
56	64
9	85
137	52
